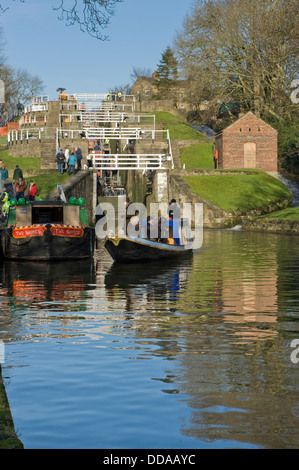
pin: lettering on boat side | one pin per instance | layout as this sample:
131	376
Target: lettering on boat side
151	459
295	353
2	352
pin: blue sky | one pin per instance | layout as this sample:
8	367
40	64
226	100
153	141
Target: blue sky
65	57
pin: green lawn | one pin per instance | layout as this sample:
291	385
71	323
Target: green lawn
244	192
47	183
198	156
162	117
25	163
178	129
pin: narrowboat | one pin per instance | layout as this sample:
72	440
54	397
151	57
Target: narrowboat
47	230
128	249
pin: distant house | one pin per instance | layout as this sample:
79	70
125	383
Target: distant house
145	89
247	143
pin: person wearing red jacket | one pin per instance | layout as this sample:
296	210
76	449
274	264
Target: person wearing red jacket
32	188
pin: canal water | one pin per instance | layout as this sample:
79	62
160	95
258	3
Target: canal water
196	355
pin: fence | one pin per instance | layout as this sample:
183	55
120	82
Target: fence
32	120
129	162
108	116
40	99
126	133
36	107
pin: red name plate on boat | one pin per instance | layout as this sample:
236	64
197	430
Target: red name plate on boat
67	231
24	232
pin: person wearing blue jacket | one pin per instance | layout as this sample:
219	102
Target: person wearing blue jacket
3	173
72	163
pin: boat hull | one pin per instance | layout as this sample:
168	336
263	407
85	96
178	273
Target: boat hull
48	246
132	250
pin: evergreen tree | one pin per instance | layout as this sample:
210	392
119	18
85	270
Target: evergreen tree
167	73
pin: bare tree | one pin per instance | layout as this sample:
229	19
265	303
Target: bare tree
92	16
241	51
140	72
20	85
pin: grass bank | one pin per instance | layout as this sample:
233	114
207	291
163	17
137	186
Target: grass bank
291	214
178	129
198	156
46	183
242	192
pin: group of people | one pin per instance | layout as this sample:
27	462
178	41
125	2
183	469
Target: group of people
114	95
19	184
155	229
72	161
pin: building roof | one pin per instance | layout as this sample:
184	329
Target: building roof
243	118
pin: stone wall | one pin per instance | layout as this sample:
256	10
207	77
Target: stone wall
32	148
147	106
271	225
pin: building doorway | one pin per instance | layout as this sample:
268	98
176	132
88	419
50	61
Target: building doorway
250	155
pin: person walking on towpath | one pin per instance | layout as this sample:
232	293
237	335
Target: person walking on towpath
72	163
79	157
60	161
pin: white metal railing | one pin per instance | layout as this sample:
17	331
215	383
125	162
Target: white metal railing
101	97
128	161
126	133
22	134
108	116
112	133
32	119
40	99
16	135
35	108
106	106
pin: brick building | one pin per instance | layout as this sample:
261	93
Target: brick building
247	143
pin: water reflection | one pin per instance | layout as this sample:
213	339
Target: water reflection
203	344
147	281
37	287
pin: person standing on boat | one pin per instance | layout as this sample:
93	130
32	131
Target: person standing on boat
20	186
32	189
174	214
173	211
60	161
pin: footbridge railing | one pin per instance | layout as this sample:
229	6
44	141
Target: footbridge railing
108	116
129	161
